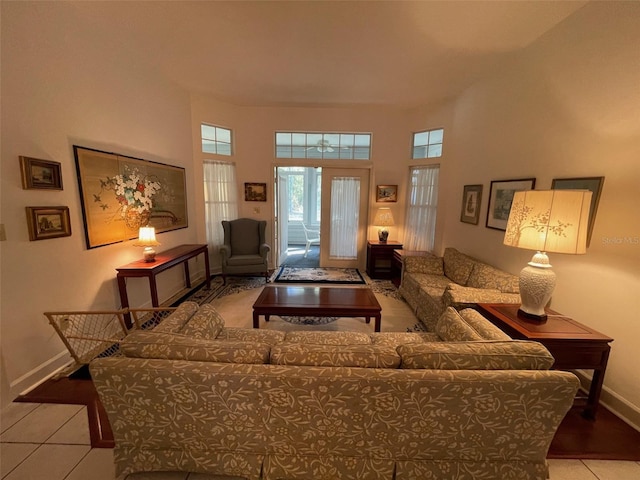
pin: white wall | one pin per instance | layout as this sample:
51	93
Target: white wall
567	107
63	83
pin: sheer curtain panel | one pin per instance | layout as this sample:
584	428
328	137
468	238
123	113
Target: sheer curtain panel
345	205
422	210
221	202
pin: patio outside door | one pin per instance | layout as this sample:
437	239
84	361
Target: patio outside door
345	194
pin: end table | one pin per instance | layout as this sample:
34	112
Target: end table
572	344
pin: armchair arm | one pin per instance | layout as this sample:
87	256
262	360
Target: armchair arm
459	297
264	250
225	252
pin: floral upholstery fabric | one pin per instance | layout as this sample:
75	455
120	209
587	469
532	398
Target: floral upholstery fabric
457	265
483	355
274	422
206	323
451	327
394	339
270	337
429	294
486	276
328	338
429	264
152	344
364	356
484	327
174	322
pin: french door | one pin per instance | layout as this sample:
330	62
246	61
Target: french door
343	231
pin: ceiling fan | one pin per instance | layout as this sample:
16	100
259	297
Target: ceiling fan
323	146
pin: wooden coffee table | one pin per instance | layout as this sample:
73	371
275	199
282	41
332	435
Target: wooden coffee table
317	301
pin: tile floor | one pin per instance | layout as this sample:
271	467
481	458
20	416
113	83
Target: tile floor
51	442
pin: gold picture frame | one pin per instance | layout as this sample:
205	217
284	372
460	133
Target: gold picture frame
387	193
40	174
255	192
48	222
471	203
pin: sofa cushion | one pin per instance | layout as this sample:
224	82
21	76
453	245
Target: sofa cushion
451	327
457	266
484	355
270	337
363	356
206	323
482	326
429	264
393	339
176	320
328	338
173	346
486	276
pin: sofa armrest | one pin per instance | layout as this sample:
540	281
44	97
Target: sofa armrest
459	297
264	250
423	264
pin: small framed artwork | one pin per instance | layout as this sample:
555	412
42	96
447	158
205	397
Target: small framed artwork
40	174
255	192
471	198
48	222
387	193
500	198
593	184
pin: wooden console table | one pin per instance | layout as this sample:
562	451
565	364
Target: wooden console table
572	344
164	260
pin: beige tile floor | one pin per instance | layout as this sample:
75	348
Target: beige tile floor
51	442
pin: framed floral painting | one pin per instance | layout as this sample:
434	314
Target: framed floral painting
120	194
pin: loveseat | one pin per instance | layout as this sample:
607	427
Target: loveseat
430	284
193	395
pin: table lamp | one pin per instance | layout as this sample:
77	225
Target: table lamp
382	220
147	239
546	221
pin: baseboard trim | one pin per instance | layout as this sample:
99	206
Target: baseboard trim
616	404
40	374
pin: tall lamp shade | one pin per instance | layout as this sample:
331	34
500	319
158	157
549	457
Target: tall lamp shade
546	221
147	239
382	220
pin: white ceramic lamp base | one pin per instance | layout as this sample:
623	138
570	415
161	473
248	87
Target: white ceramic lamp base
537	282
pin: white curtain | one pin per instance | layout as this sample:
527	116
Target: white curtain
221	202
345	207
420	230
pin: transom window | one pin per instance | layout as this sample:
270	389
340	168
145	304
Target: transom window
349	146
428	144
216	139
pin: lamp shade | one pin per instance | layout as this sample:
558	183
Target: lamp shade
146	237
549	221
383	218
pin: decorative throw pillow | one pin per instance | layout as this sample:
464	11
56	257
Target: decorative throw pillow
174	322
457	266
451	327
486	276
482	326
206	323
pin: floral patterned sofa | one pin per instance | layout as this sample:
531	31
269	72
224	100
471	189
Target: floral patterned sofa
193	395
430	284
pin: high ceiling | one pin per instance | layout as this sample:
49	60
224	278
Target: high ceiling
323	52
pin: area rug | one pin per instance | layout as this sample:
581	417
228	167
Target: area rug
319	275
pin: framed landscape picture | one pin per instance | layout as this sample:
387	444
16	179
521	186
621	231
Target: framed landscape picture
48	222
120	194
255	192
387	193
593	184
40	174
471	201
500	198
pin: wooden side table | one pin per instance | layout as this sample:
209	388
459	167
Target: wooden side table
164	260
572	344
379	258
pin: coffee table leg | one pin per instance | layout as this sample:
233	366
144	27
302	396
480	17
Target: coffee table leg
378	322
266	317
256	320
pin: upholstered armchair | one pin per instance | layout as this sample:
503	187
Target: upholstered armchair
244	250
